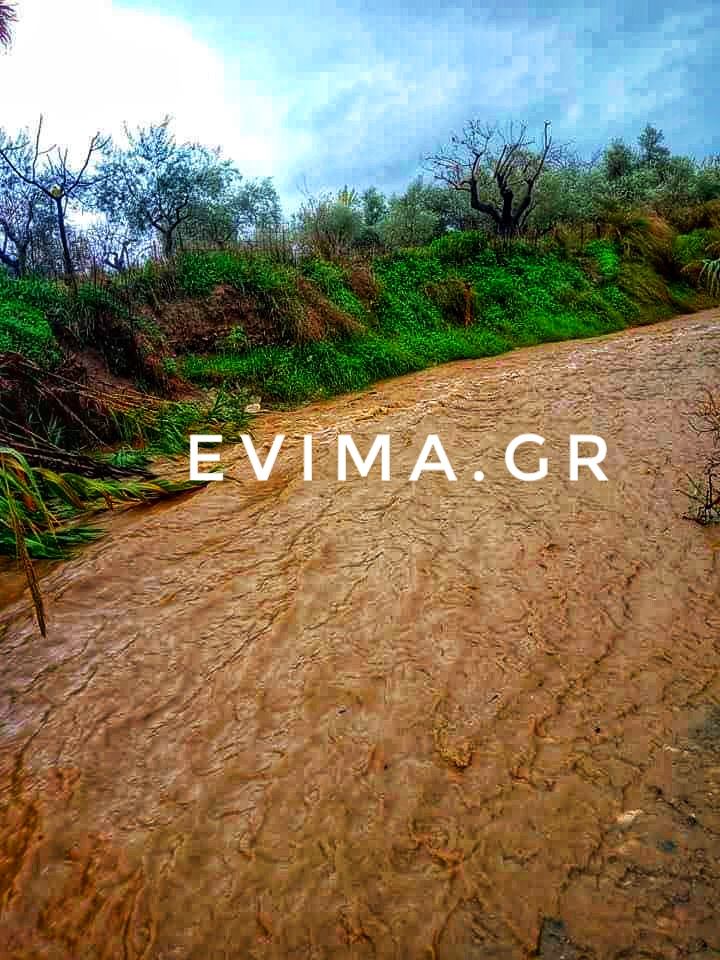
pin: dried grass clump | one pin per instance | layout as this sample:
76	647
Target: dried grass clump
319	319
642	235
455	299
40	408
697	216
362	282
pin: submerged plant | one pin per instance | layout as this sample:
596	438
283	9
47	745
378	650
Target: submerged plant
704	494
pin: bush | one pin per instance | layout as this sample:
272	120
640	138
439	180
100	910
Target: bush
24	329
697	245
460	247
605	258
198	272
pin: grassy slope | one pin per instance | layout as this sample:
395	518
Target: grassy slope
516	299
418	316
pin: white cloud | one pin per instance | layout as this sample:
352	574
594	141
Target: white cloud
98	64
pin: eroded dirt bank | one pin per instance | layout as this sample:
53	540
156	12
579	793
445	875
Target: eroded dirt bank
433	720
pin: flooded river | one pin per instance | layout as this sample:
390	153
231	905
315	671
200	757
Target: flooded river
374	719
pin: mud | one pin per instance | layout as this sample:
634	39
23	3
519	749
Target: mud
432	720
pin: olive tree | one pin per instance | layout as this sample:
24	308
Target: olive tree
234	210
156	184
499	168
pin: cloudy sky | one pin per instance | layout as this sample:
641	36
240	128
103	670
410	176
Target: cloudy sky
357	93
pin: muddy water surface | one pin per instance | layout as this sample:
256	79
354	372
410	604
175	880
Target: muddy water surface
432	720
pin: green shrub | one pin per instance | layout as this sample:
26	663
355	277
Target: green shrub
198	272
24	329
695	246
461	247
605	258
236	341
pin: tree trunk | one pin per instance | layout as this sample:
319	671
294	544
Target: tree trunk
12	263
67	259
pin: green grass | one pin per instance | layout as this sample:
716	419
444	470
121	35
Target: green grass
521	297
26	307
332	280
605	257
292	375
198	272
694	246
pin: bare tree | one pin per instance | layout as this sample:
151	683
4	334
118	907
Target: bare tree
499	168
49	172
17	217
7	17
111	245
20	207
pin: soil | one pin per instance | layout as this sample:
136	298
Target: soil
202	325
383	719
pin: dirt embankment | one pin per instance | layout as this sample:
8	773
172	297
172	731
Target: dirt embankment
431	720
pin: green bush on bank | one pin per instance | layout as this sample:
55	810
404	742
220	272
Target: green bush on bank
521	296
25	306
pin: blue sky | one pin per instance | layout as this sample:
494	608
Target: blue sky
358	93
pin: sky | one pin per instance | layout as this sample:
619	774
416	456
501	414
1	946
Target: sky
323	95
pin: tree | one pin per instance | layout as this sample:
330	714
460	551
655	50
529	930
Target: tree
258	207
410	221
328	226
652	151
498	169
452	208
49	173
619	160
157	184
565	195
707	186
8	16
234	210
19	206
112	245
374	206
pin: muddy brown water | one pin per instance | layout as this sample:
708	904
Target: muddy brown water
432	720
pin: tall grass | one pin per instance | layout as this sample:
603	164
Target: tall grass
459	298
710	275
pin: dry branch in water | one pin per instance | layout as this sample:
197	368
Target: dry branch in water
705	494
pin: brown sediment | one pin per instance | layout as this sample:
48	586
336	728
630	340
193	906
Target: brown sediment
431	720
